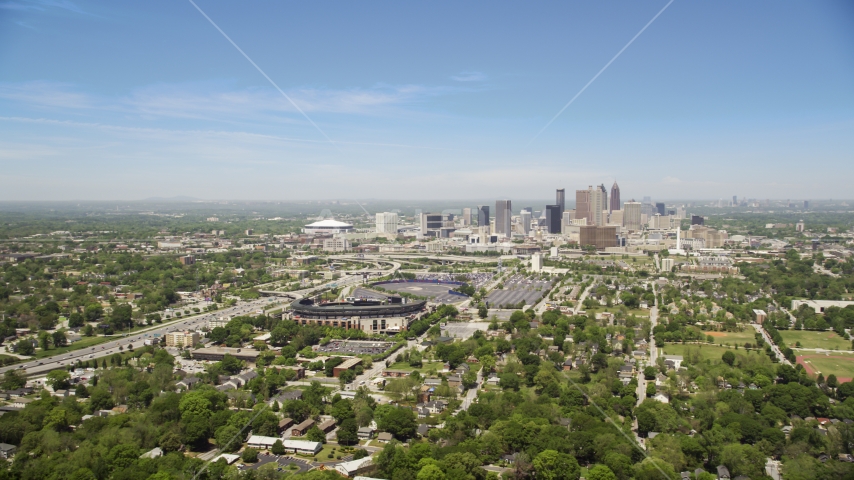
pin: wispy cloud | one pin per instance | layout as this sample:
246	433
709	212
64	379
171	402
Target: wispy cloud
216	101
469	77
43	6
25	25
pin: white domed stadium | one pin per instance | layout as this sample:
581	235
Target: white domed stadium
327	226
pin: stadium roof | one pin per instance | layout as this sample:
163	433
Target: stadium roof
329	224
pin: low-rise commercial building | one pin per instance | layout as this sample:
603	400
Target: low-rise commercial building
182	339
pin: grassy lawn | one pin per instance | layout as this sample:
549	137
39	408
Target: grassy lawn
323	453
733	338
85	342
706	352
840	365
828	340
406	367
639	312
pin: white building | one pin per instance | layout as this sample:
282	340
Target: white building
327	226
537	262
387	222
666	264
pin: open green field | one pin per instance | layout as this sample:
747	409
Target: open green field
84	342
734	338
638	312
827	340
706	352
840	365
408	368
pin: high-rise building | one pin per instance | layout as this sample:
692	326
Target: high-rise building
432	223
582	204
598	205
387	222
467	216
553	218
615	198
483	215
525	220
806	204
632	215
735	200
560	200
659	208
503	212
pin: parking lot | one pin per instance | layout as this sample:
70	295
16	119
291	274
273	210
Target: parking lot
436	292
355	347
463	330
519	288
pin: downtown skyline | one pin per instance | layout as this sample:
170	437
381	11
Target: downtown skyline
126	102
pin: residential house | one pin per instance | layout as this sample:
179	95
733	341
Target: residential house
365	433
327	426
187	383
7	451
284	425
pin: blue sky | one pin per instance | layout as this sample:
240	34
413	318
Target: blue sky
128	100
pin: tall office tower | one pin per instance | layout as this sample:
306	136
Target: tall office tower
632	215
735	200
503	227
806	204
525	219
483	215
467	216
615	198
659	208
553	218
697	220
582	204
598	204
560	200
387	223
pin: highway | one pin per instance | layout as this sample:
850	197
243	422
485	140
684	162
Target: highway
137	339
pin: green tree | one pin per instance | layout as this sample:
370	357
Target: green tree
278	448
553	465
399	422
600	472
250	455
25	347
315	435
44	340
431	472
228	438
348	432
13	380
59	339
728	358
59	379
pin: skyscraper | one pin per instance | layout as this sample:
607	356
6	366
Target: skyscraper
598	205
387	222
467	216
503	211
615	198
525	219
632	215
553	218
659	208
582	204
483	215
560	200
